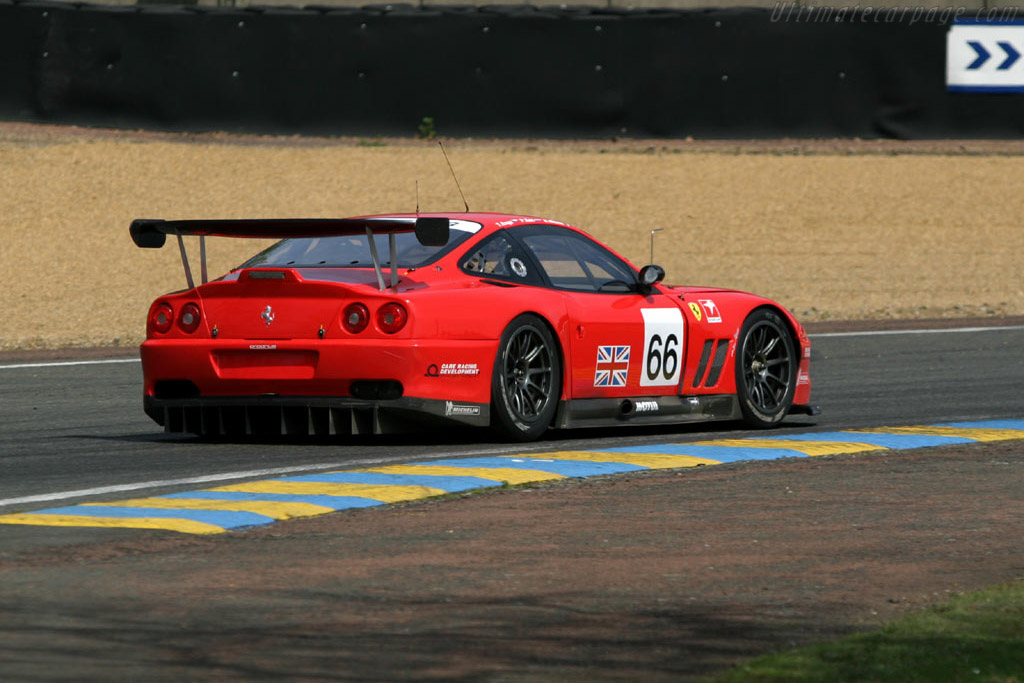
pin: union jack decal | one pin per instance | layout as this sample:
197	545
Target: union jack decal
612	366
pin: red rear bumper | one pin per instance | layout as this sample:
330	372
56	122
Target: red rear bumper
435	369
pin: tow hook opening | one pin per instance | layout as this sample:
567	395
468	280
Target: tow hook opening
175	388
377	390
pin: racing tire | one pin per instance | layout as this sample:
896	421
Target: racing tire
527	381
766	367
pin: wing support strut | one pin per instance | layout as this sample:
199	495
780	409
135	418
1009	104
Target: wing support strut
203	273
184	262
392	259
376	258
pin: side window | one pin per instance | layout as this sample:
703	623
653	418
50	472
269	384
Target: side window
499	258
573	262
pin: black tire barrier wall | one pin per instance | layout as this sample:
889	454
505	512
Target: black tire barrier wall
489	71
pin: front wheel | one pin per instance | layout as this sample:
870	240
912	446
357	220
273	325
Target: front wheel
527	379
766	367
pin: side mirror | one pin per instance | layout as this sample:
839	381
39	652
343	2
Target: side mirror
431	231
650	275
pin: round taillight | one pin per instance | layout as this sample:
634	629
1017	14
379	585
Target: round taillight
355	318
161	317
188	318
391	318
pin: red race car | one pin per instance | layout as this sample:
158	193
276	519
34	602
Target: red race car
378	324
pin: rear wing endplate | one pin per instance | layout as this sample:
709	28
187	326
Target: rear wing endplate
151	233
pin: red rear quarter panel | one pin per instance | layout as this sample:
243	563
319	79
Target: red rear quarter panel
473	310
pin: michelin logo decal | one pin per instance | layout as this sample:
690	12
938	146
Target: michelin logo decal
456	410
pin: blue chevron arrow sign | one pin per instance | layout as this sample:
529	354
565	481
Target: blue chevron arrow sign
1011	55
983	56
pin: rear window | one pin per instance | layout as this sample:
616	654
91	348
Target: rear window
353	251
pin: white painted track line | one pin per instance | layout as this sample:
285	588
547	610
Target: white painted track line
63	364
944	330
136	486
246	474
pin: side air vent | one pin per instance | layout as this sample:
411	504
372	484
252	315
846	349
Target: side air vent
720	348
702	366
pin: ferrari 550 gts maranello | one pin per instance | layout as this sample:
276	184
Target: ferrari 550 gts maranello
378	324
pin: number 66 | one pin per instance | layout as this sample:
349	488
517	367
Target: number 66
664	363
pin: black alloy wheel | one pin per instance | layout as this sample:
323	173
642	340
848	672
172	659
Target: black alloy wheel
766	367
527	380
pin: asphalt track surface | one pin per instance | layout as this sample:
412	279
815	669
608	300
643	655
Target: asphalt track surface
76	433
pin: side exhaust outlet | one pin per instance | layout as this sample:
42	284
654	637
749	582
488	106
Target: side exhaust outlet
630	408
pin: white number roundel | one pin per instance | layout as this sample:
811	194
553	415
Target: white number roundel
663	347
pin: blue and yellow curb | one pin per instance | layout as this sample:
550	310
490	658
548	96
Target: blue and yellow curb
238	506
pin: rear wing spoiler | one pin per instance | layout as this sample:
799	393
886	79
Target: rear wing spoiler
151	233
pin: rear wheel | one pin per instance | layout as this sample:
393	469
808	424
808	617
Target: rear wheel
766	367
527	379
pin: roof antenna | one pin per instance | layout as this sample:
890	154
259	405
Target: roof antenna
417	197
652	242
441	144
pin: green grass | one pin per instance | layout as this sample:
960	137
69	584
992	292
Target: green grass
977	637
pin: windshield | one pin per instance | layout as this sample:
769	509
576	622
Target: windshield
353	251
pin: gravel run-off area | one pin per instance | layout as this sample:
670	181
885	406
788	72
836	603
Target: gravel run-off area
833	230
